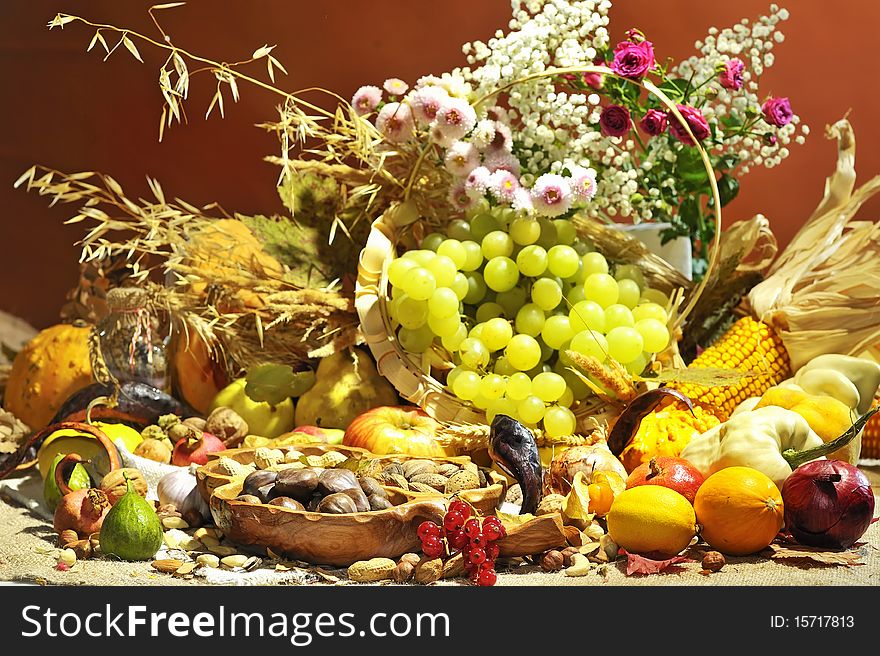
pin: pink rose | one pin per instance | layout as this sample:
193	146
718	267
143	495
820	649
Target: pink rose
633	60
731	76
614	121
654	122
696	122
777	111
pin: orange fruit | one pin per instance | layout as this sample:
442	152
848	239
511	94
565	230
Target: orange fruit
739	509
651	518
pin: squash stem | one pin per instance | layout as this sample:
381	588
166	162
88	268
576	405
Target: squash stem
797	458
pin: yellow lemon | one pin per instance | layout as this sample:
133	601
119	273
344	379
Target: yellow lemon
651	518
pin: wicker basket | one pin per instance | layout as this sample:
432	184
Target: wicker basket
410	374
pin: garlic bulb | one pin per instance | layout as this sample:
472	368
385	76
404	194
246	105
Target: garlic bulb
180	489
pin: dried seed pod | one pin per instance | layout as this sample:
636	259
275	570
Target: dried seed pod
369	571
232	467
264	457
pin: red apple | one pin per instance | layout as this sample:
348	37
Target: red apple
323	435
396	429
195	451
675	473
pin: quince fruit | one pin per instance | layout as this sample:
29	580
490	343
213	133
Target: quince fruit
346	385
262	417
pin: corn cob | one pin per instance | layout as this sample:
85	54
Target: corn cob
748	346
871	437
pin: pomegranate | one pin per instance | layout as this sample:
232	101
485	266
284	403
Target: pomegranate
81	510
195	451
675	473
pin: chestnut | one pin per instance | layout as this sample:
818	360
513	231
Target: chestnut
297	484
255	480
337	504
248	498
360	499
332	481
287	502
371	486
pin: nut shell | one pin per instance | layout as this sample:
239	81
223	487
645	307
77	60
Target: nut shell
337	504
297	484
332	481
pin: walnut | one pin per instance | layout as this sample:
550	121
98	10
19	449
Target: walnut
228	425
552	561
713	561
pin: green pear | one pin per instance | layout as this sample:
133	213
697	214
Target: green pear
346	385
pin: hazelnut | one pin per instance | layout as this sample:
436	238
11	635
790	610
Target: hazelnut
198	423
552	561
413	558
713	561
193	517
567	554
82	548
404	571
66	537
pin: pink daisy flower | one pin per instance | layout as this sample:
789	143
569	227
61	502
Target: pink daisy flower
461	158
395	122
551	195
582	183
504	185
477	182
439	137
503	139
366	99
502	160
522	201
395	86
455	118
459	197
426	102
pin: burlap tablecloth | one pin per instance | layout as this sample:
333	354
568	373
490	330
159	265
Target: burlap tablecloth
26	541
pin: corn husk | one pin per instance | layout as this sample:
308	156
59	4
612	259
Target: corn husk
821	293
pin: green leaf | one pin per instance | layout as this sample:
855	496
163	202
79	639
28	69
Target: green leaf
689	213
274	383
674	88
689	168
728	188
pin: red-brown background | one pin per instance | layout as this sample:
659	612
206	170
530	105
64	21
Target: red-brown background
65	109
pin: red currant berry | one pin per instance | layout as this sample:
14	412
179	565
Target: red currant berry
478	541
428	529
493	529
432	547
487	564
453	521
457	540
492	551
461	508
487	577
472	528
477	556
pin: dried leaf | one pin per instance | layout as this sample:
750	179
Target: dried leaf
168	5
709	376
811	557
510	521
261	52
129	44
651	563
575	508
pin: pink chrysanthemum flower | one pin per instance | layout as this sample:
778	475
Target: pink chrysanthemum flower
459	197
477	182
426	102
502	160
522	201
582	182
455	118
551	195
504	185
395	122
395	86
461	158
498	113
366	99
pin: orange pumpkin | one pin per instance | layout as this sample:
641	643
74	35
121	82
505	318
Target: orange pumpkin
198	374
739	509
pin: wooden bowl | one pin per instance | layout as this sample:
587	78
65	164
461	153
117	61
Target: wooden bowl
325	539
209	477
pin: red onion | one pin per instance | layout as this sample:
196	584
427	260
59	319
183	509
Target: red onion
828	503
